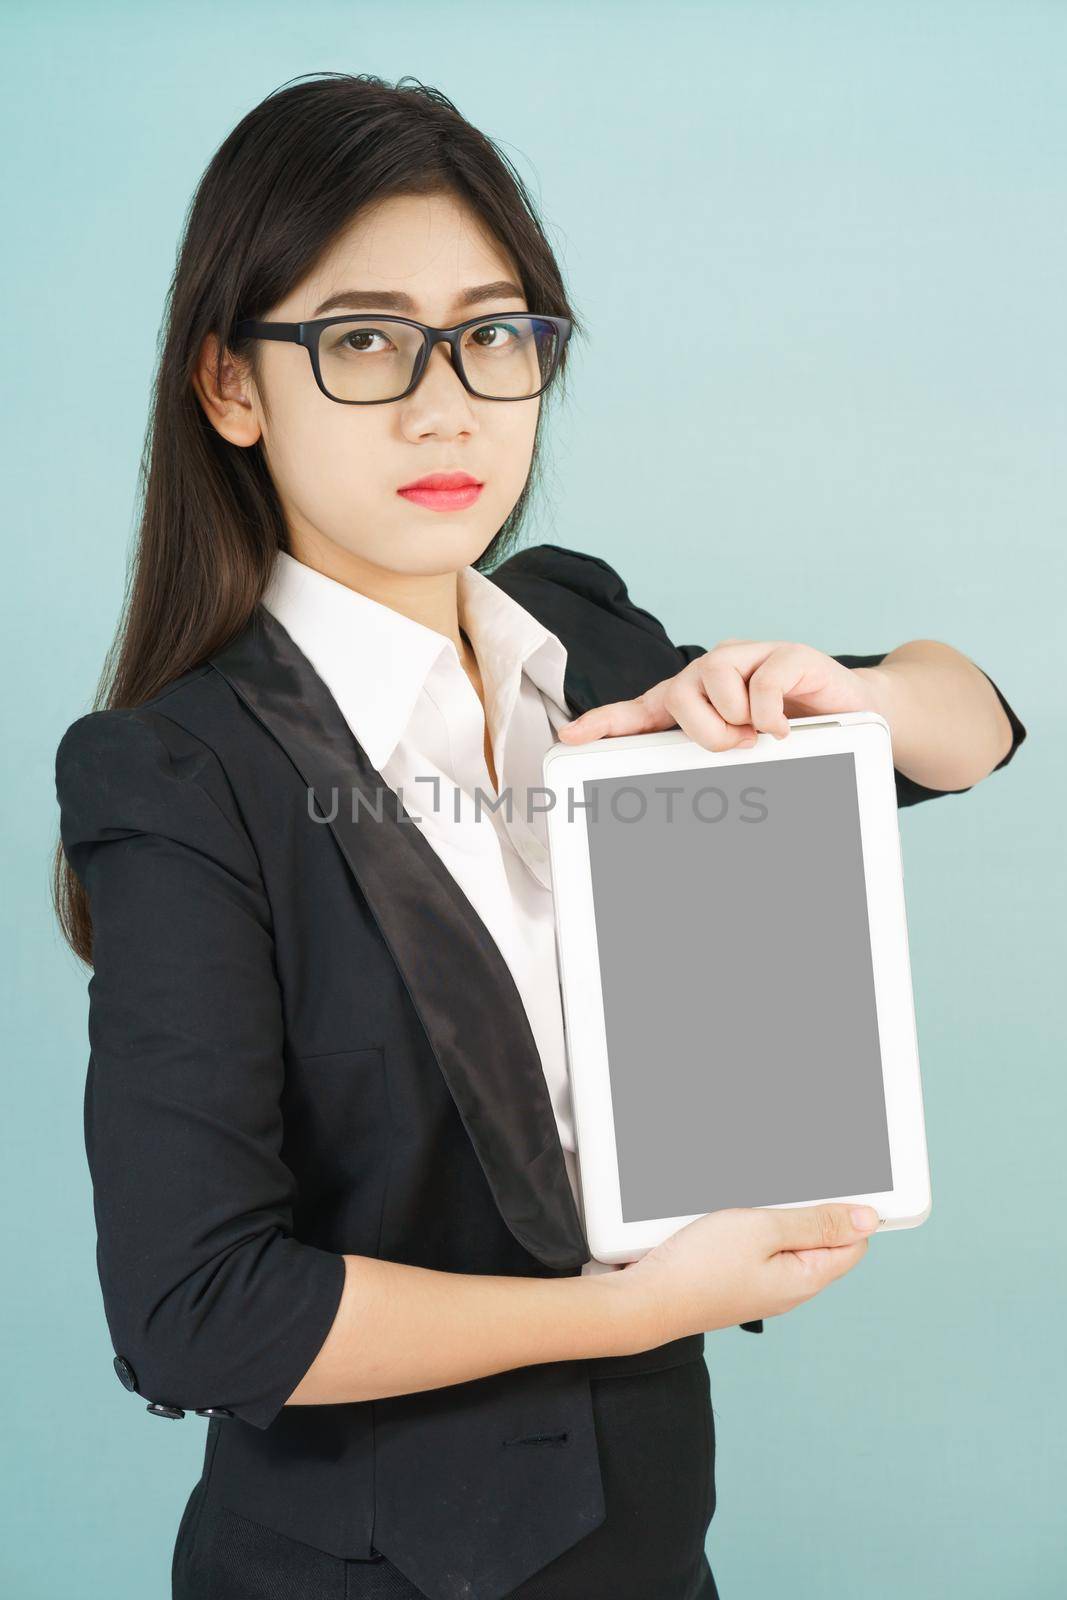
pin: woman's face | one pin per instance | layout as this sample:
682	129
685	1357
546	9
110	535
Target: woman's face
337	468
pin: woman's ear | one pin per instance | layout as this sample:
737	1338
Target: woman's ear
227	395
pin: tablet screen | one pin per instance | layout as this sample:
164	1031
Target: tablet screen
735	962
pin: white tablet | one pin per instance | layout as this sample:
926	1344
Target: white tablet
733	954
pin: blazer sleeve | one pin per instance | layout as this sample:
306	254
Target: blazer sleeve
910	793
207	1294
612	593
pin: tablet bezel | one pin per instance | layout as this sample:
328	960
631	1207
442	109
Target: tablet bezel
565	768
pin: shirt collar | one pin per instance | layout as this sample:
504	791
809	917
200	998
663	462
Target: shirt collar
375	661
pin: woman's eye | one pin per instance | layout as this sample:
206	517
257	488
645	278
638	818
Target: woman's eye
493	336
358	341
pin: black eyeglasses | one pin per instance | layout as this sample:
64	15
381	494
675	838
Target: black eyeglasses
368	361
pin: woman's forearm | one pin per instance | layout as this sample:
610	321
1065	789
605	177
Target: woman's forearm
400	1329
948	727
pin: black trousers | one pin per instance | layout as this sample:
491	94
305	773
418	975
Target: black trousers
656	1439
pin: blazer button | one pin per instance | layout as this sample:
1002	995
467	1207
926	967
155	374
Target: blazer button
213	1411
127	1376
160	1408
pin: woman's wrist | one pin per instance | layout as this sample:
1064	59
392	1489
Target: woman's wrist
877	691
632	1319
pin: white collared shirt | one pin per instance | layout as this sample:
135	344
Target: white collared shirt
403	692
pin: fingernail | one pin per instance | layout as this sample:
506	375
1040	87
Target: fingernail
865	1218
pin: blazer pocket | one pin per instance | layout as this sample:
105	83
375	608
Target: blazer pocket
354	1055
337	1140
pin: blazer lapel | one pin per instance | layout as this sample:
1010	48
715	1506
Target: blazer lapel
458	980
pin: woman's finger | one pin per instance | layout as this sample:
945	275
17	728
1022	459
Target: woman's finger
771	682
687	700
615	718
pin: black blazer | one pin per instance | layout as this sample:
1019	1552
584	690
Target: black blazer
304	1042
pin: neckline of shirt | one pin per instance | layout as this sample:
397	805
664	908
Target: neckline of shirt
375	660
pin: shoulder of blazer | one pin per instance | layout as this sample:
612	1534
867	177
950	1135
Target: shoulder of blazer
137	770
108	722
589	577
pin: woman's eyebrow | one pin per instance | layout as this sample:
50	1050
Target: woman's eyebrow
394	300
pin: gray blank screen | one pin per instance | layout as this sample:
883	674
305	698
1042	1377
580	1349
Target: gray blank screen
735	960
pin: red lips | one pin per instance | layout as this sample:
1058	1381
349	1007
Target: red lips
443	491
442	480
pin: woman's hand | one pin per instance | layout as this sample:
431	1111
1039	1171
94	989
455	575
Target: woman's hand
742	687
737	1265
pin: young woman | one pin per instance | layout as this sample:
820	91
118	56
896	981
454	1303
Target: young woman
327	1115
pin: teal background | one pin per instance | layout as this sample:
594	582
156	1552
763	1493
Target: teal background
822	254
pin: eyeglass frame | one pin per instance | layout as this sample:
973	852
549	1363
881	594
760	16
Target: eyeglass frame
308	334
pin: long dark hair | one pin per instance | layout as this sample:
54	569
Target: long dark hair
289	178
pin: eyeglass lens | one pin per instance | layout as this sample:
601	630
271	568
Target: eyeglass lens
372	358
